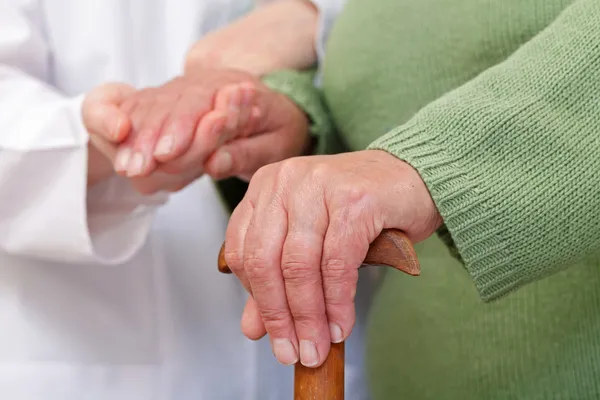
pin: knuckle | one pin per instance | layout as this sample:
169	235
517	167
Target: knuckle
288	167
306	318
275	315
261	174
256	266
321	172
339	281
334	268
299	272
278	322
234	259
355	194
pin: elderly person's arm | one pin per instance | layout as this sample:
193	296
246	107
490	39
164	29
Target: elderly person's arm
509	161
281	34
511	158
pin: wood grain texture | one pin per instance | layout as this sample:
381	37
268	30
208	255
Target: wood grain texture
323	383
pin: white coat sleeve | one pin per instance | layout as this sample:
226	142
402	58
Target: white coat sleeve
46	209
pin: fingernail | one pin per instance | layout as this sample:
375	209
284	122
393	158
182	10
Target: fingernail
164	146
337	336
136	165
122	160
285	352
308	353
223	162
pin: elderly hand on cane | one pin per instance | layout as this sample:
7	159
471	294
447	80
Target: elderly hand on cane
302	231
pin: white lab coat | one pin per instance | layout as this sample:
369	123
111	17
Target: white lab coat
105	294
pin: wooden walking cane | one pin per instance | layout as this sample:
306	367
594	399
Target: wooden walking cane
391	248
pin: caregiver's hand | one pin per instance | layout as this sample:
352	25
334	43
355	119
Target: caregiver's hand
297	239
169	131
223	122
108	126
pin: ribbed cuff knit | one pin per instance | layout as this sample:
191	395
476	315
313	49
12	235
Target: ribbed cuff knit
511	158
299	87
472	223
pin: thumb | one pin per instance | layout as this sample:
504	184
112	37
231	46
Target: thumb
101	113
252	323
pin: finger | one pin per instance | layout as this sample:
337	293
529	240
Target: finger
160	181
244	156
251	127
179	129
252	325
343	252
262	258
248	94
235	240
204	143
145	138
105	147
301	269
230	100
136	111
101	114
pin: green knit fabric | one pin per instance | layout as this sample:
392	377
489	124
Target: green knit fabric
298	86
511	158
497	104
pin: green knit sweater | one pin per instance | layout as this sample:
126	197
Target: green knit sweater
497	104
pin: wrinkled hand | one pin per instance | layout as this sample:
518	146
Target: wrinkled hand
297	239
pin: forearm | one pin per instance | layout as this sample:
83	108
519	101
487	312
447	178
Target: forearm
276	36
511	158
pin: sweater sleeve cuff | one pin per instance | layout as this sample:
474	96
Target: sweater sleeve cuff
298	86
511	157
473	229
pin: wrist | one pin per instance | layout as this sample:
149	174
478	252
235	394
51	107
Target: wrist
276	36
405	181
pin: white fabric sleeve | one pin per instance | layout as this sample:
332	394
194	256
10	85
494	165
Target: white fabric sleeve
328	12
46	210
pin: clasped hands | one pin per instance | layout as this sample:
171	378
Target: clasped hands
164	138
298	237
